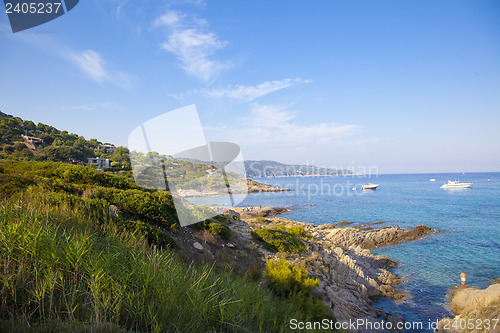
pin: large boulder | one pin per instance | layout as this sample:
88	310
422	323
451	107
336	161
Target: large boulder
466	299
471	304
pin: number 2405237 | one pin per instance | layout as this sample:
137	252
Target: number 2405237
33	7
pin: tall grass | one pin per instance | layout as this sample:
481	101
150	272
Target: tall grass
62	268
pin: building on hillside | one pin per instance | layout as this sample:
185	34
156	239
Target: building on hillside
213	172
107	148
31	139
99	162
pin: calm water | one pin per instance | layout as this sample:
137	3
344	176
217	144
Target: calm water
469	220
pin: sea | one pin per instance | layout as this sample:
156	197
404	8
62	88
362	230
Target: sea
469	221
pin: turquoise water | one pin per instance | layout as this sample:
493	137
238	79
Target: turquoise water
469	220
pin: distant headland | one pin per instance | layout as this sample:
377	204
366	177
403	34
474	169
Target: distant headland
270	169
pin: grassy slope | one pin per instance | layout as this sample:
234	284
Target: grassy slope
67	264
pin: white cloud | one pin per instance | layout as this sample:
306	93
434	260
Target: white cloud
91	107
193	44
249	93
92	64
273	126
169	19
242	92
270	116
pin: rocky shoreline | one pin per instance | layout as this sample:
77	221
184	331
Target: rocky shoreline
256	187
251	187
340	257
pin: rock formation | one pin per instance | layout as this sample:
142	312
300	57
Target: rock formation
350	275
481	308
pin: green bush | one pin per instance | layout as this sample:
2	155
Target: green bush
260	219
153	234
12	183
19	146
218	229
8	149
293	282
278	240
295	230
314	307
69	174
156	206
222	219
96	210
285	279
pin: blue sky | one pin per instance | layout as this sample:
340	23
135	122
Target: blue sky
406	86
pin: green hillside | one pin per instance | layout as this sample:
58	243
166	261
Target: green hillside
57	145
69	263
84	250
51	144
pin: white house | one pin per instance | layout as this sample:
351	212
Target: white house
100	162
214	172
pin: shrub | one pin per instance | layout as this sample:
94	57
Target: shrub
290	281
96	210
295	230
260	219
314	307
153	234
19	146
70	174
285	279
8	149
217	229
278	240
221	219
156	206
11	183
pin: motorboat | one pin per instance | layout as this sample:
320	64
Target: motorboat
432	180
455	185
369	187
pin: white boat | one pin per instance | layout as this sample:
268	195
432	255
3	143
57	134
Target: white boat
432	180
369	187
455	185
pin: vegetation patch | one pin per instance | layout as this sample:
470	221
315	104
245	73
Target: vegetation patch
61	271
278	240
157	206
295	230
222	219
220	230
287	280
153	234
260	219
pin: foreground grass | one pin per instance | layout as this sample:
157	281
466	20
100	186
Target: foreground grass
66	268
